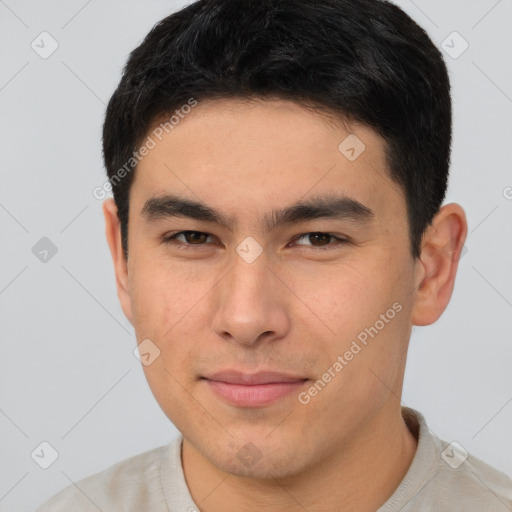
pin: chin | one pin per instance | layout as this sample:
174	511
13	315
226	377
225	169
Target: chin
259	459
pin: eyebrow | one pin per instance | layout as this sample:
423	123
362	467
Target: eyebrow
321	207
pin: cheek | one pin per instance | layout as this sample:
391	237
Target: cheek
344	298
363	304
161	294
171	309
145	292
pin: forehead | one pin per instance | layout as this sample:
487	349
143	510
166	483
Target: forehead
238	152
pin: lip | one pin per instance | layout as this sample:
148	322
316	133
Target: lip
252	390
252	379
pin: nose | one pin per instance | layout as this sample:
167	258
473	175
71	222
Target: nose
251	304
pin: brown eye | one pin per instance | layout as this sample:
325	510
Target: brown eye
321	238
318	240
195	237
188	238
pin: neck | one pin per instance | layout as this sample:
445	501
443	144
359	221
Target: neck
361	475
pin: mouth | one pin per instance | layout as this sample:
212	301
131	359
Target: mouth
252	390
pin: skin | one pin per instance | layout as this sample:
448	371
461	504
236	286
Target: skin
294	309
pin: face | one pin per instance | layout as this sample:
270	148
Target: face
272	271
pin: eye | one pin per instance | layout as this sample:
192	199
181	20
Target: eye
187	237
316	240
319	240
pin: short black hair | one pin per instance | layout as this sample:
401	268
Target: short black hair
362	60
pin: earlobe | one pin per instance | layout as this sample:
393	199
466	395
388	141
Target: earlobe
442	245
113	234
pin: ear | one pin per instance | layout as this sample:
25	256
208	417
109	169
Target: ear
442	245
113	233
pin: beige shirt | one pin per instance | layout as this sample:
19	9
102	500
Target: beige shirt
441	478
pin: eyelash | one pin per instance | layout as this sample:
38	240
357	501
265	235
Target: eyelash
171	239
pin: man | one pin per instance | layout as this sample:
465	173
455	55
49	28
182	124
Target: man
277	228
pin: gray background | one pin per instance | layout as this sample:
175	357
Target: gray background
68	374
